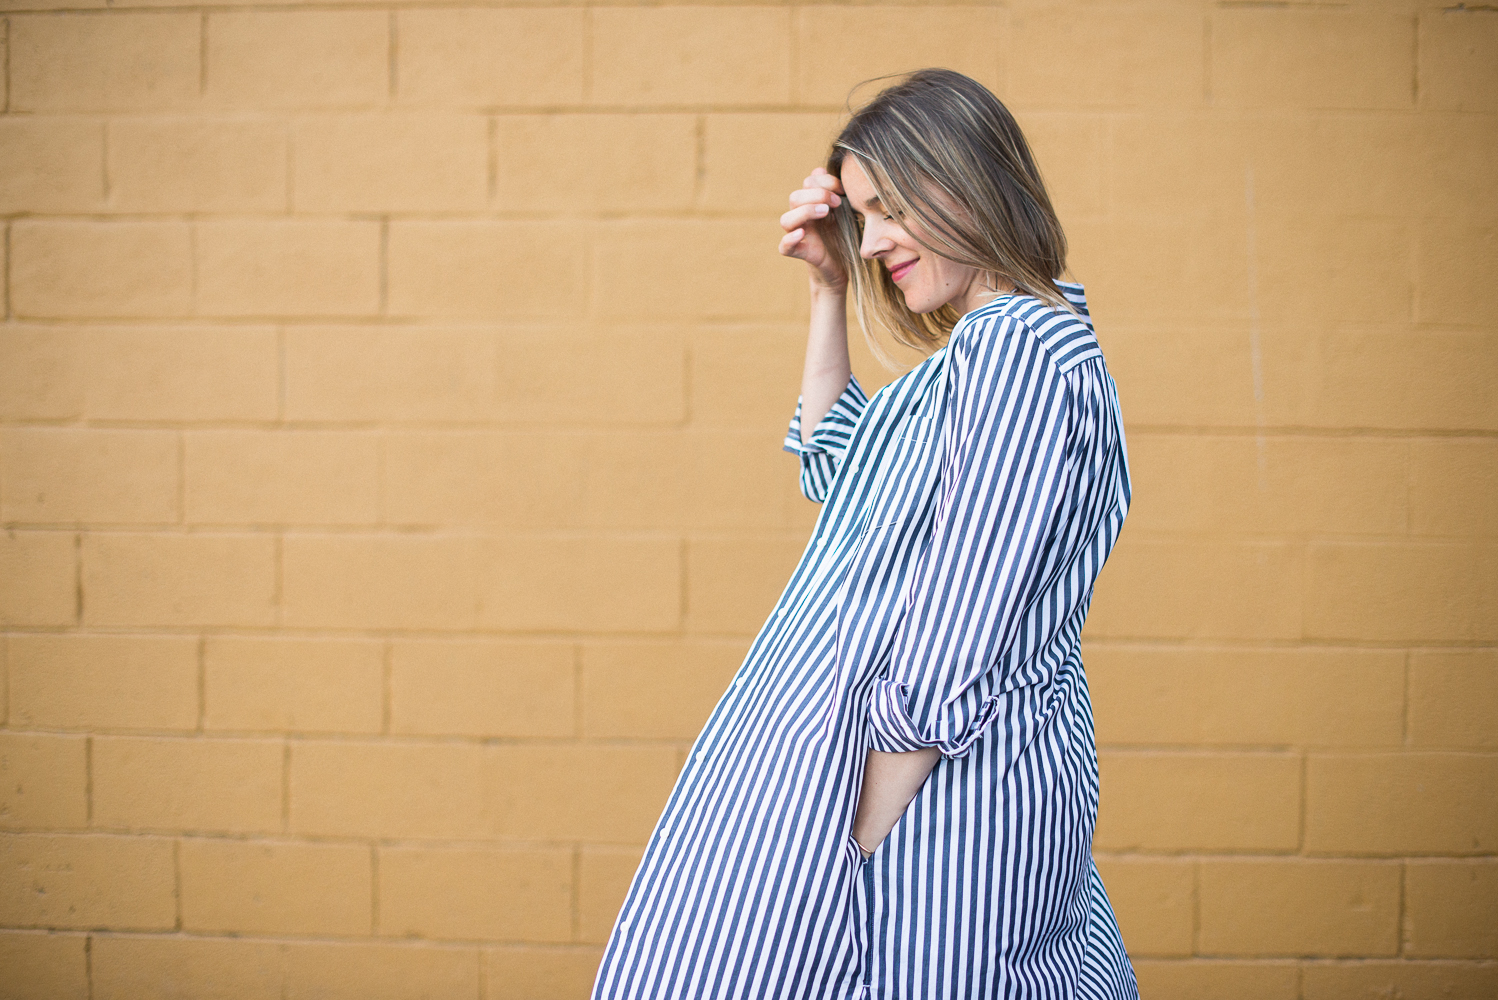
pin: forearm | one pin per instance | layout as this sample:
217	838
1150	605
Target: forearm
890	781
827	366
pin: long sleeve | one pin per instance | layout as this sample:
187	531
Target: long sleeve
1007	485
821	456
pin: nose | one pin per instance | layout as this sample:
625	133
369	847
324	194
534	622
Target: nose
874	241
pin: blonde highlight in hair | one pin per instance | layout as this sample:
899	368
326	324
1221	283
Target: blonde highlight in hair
940	149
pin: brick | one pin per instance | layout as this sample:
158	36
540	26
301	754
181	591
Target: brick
482	269
297	59
38	578
602	794
1270	57
853	46
391	163
1187	162
736	480
1409	803
737	274
585	584
1208	369
180	374
86	881
288	268
390	790
281	477
380	972
1458	52
488	58
753	161
51	165
100	269
1415	593
102	476
1194	484
39	373
381	582
1114	58
1236	696
1199	801
197	165
44	966
1070	151
1200	589
1124	262
516	481
1403	979
746	377
143	579
484	893
482	688
104	62
533	972
604	876
1217	980
292	685
43	782
595	163
1322	908
243	887
377	373
183	968
1451	909
209	785
1449	272
733	583
1155	901
1332	269
727	55
634	376
654	690
1453	698
105	682
1454	487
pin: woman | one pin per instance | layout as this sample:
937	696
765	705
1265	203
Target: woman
895	797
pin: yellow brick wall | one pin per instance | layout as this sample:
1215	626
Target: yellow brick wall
390	402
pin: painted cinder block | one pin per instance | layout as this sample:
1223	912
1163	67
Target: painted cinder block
189	784
752	161
1155	900
84	881
397	790
1458	49
1415	593
51	164
40	372
1451	909
100	269
585	584
1199	801
604	874
1312	59
104	682
734	581
476	893
43	782
1400	803
1194	980
396	971
1392	978
390	163
276	888
127	967
1454	487
585	163
746	376
1223	696
178	579
1318	908
482	688
282	684
196	165
1320	270
45	966
177	373
66	476
478	269
485	58
563	972
281	477
1453	698
654	690
140	61
297	267
733	55
1124	262
297	59
1112	58
38	577
509	480
598	793
1450	270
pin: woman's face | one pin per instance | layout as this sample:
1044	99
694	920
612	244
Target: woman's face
927	281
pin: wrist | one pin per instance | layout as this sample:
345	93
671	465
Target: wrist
829	293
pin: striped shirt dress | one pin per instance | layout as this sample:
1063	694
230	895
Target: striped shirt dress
967	508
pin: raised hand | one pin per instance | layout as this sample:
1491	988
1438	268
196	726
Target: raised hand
808	228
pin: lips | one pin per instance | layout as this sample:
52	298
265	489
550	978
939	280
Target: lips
901	270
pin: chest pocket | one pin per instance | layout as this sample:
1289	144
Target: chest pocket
909	468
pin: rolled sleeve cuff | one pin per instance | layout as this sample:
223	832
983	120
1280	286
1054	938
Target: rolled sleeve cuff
892	730
832	434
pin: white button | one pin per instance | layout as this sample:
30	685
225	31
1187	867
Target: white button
739	682
702	755
780	613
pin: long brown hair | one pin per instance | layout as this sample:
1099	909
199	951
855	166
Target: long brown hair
938	130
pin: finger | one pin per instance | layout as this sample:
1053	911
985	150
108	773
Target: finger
812	196
790	241
799	217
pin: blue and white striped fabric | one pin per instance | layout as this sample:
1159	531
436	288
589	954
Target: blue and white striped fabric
968	507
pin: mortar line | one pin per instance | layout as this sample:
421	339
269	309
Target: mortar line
286	786
8	314
374	889
391	68
203	54
6	57
577	892
1404	870
1207	59
281	375
492	180
384	308
699	152
78	578
202	683
387	655
104	158
578	714
177	881
181	478
587	55
1409	656
290	178
88	781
